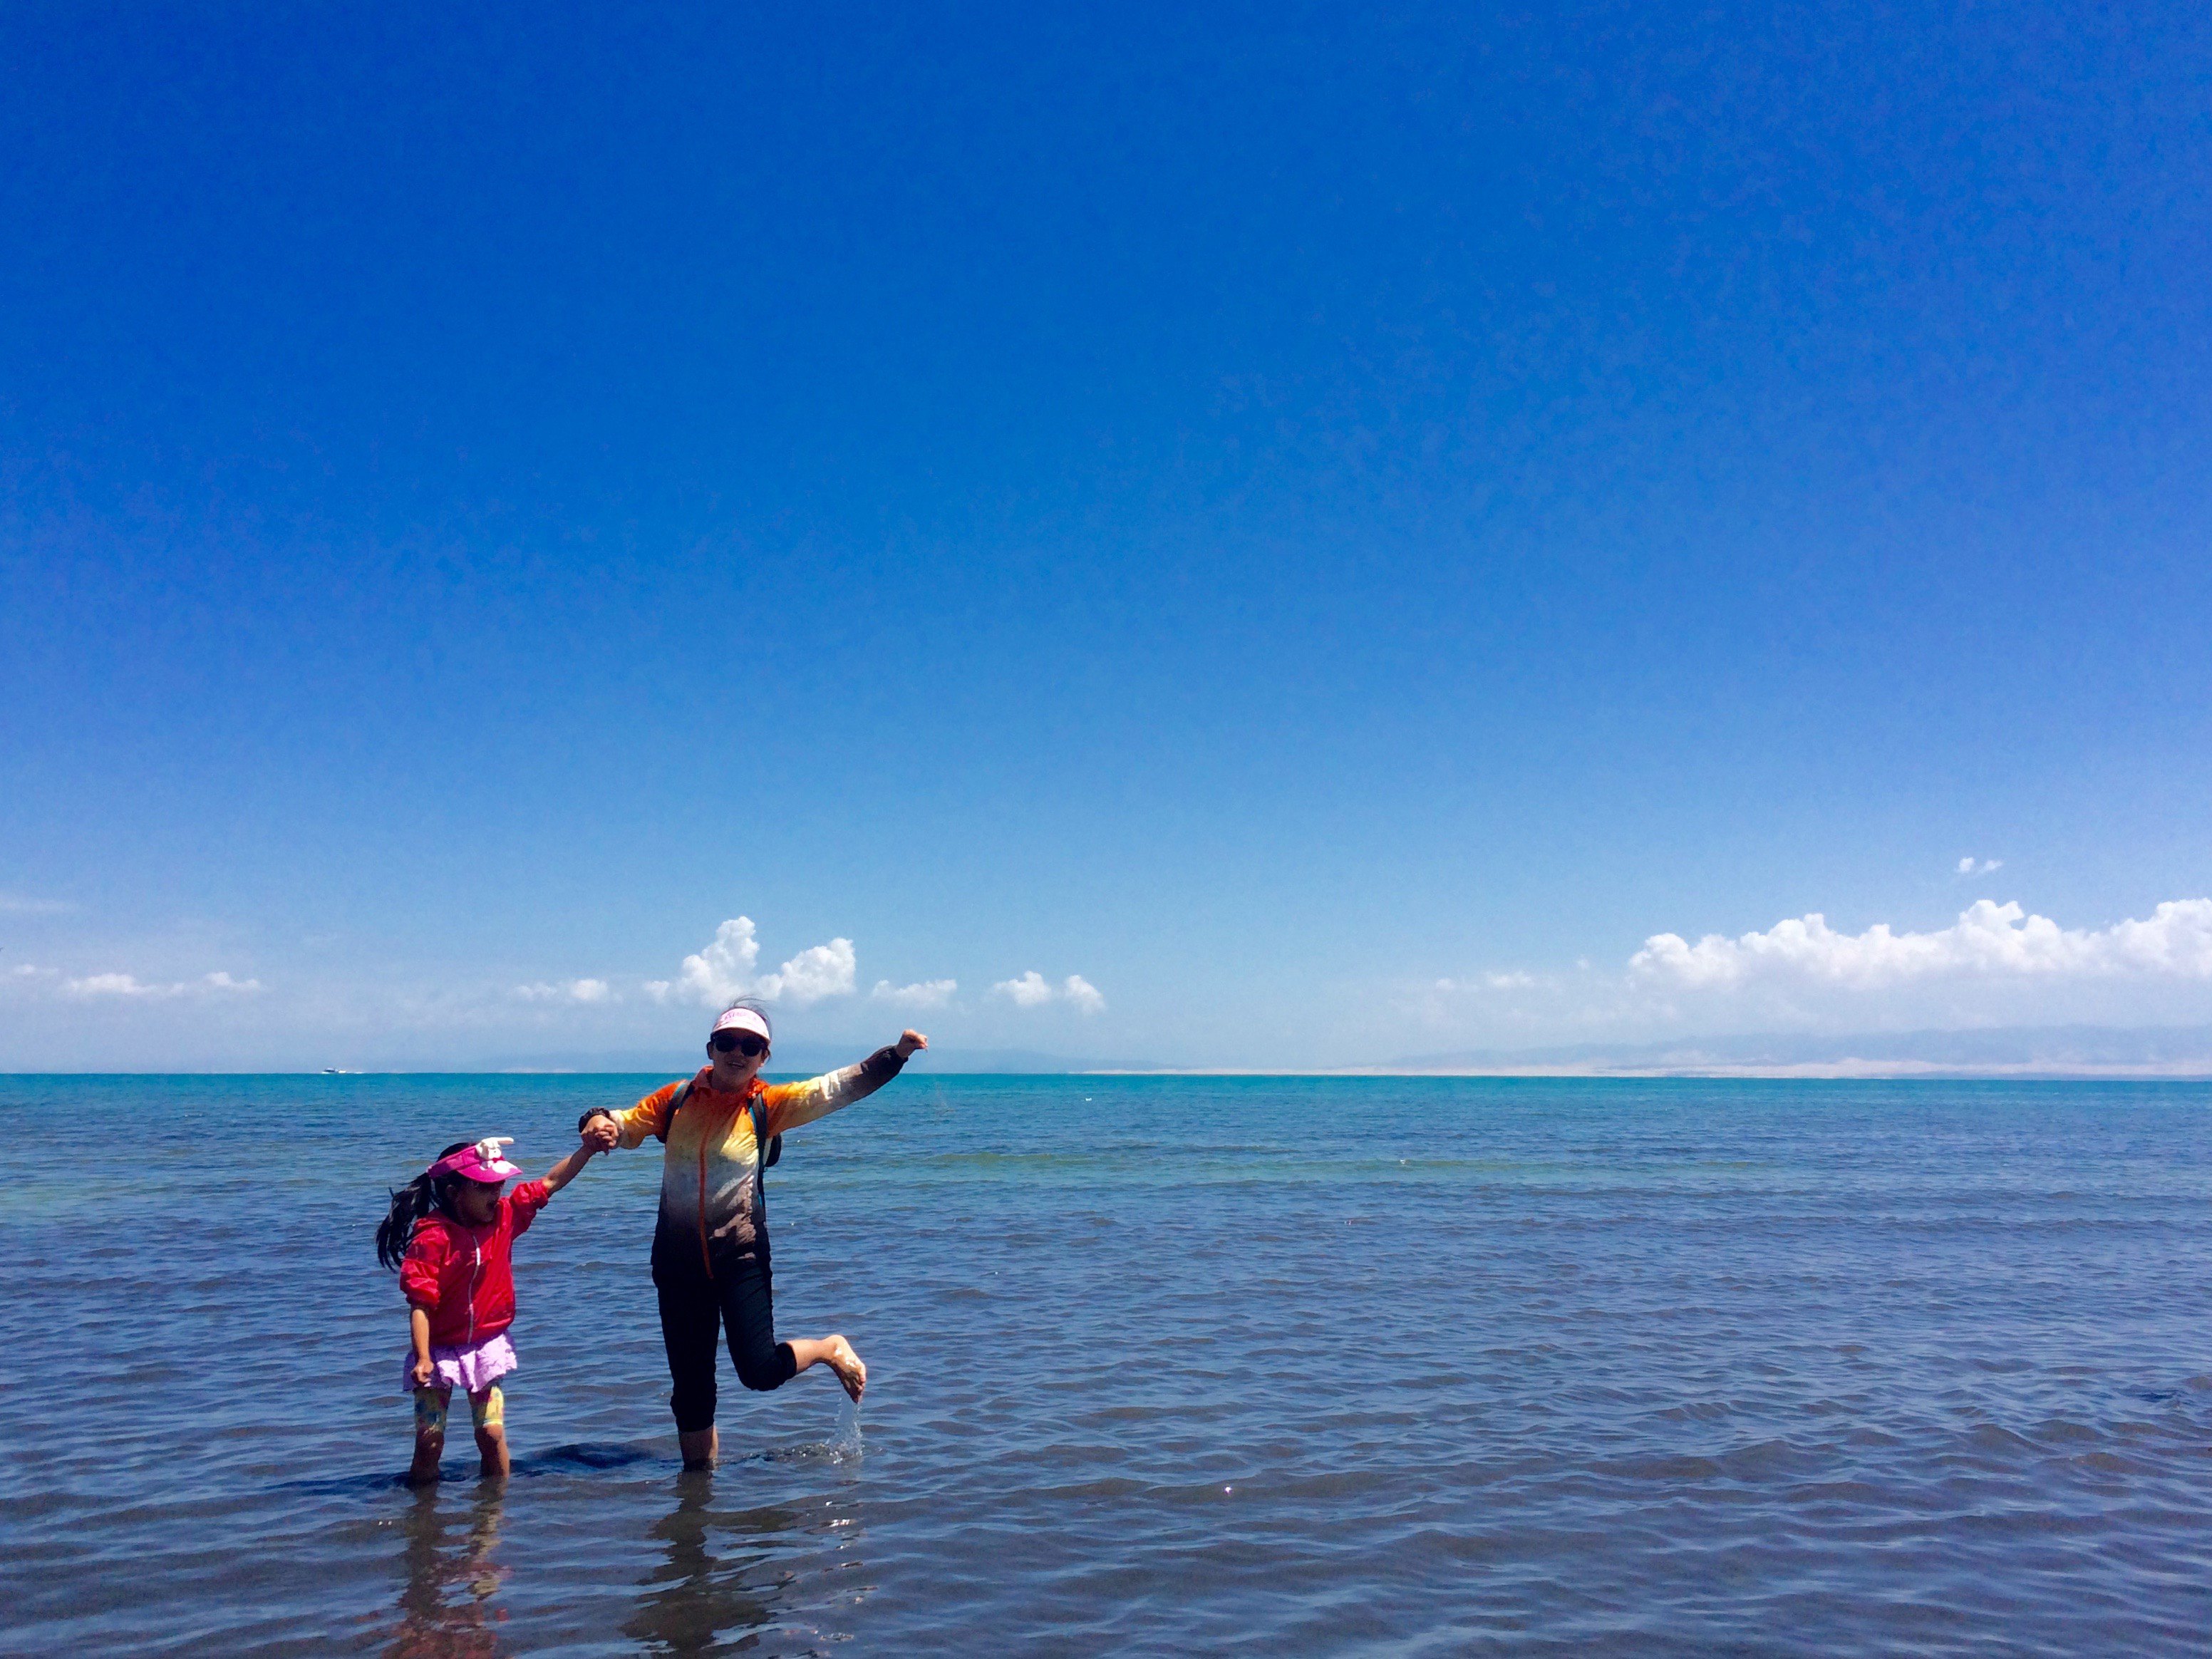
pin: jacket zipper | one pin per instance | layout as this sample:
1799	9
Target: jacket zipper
475	1274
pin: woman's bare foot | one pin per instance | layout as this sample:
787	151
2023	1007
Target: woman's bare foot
837	1354
851	1372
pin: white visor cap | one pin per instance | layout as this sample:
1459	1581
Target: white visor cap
742	1019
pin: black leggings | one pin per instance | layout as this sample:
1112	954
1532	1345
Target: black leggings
692	1307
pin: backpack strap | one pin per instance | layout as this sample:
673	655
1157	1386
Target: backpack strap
668	1118
769	1146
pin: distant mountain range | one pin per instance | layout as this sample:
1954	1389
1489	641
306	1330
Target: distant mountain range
2061	1051
2079	1051
803	1059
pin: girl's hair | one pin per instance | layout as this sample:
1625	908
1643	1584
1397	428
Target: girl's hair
410	1203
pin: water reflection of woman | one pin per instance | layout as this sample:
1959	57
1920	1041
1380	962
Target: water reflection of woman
693	1597
431	1626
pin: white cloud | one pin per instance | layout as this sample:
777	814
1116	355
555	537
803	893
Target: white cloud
925	993
1030	990
574	990
1033	990
1995	966
1988	940
818	971
114	985
724	971
1969	867
129	985
16	904
1515	981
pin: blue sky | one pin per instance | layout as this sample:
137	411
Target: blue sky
1334	529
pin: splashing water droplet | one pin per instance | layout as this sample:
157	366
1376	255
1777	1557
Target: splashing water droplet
846	1445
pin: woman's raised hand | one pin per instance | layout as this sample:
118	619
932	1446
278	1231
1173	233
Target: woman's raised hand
909	1042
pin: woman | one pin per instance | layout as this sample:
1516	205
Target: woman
710	1257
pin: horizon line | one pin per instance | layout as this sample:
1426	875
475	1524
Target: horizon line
1814	1071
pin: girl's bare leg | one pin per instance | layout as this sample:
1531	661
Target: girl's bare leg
488	1411
837	1354
429	1435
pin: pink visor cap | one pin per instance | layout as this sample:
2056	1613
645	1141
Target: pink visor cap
742	1019
486	1161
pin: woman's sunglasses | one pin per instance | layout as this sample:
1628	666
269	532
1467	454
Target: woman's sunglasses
743	1041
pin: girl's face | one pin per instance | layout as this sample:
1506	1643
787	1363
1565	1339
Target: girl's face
476	1202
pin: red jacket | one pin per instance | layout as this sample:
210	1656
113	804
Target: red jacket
463	1277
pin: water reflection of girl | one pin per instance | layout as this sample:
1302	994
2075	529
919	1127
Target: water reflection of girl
431	1626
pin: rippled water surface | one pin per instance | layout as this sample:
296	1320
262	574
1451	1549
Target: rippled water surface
1270	1366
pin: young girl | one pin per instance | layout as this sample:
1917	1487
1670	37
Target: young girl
451	1236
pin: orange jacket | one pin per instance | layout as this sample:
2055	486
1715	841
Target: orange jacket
710	1192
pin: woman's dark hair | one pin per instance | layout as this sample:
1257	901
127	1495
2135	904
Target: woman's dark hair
410	1203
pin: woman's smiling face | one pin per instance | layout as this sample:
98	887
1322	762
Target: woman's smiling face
734	1066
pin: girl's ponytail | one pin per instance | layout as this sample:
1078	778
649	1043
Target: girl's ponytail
410	1203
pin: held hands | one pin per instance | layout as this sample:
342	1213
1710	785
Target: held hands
599	1133
909	1042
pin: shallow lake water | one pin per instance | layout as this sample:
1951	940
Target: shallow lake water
1156	1364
